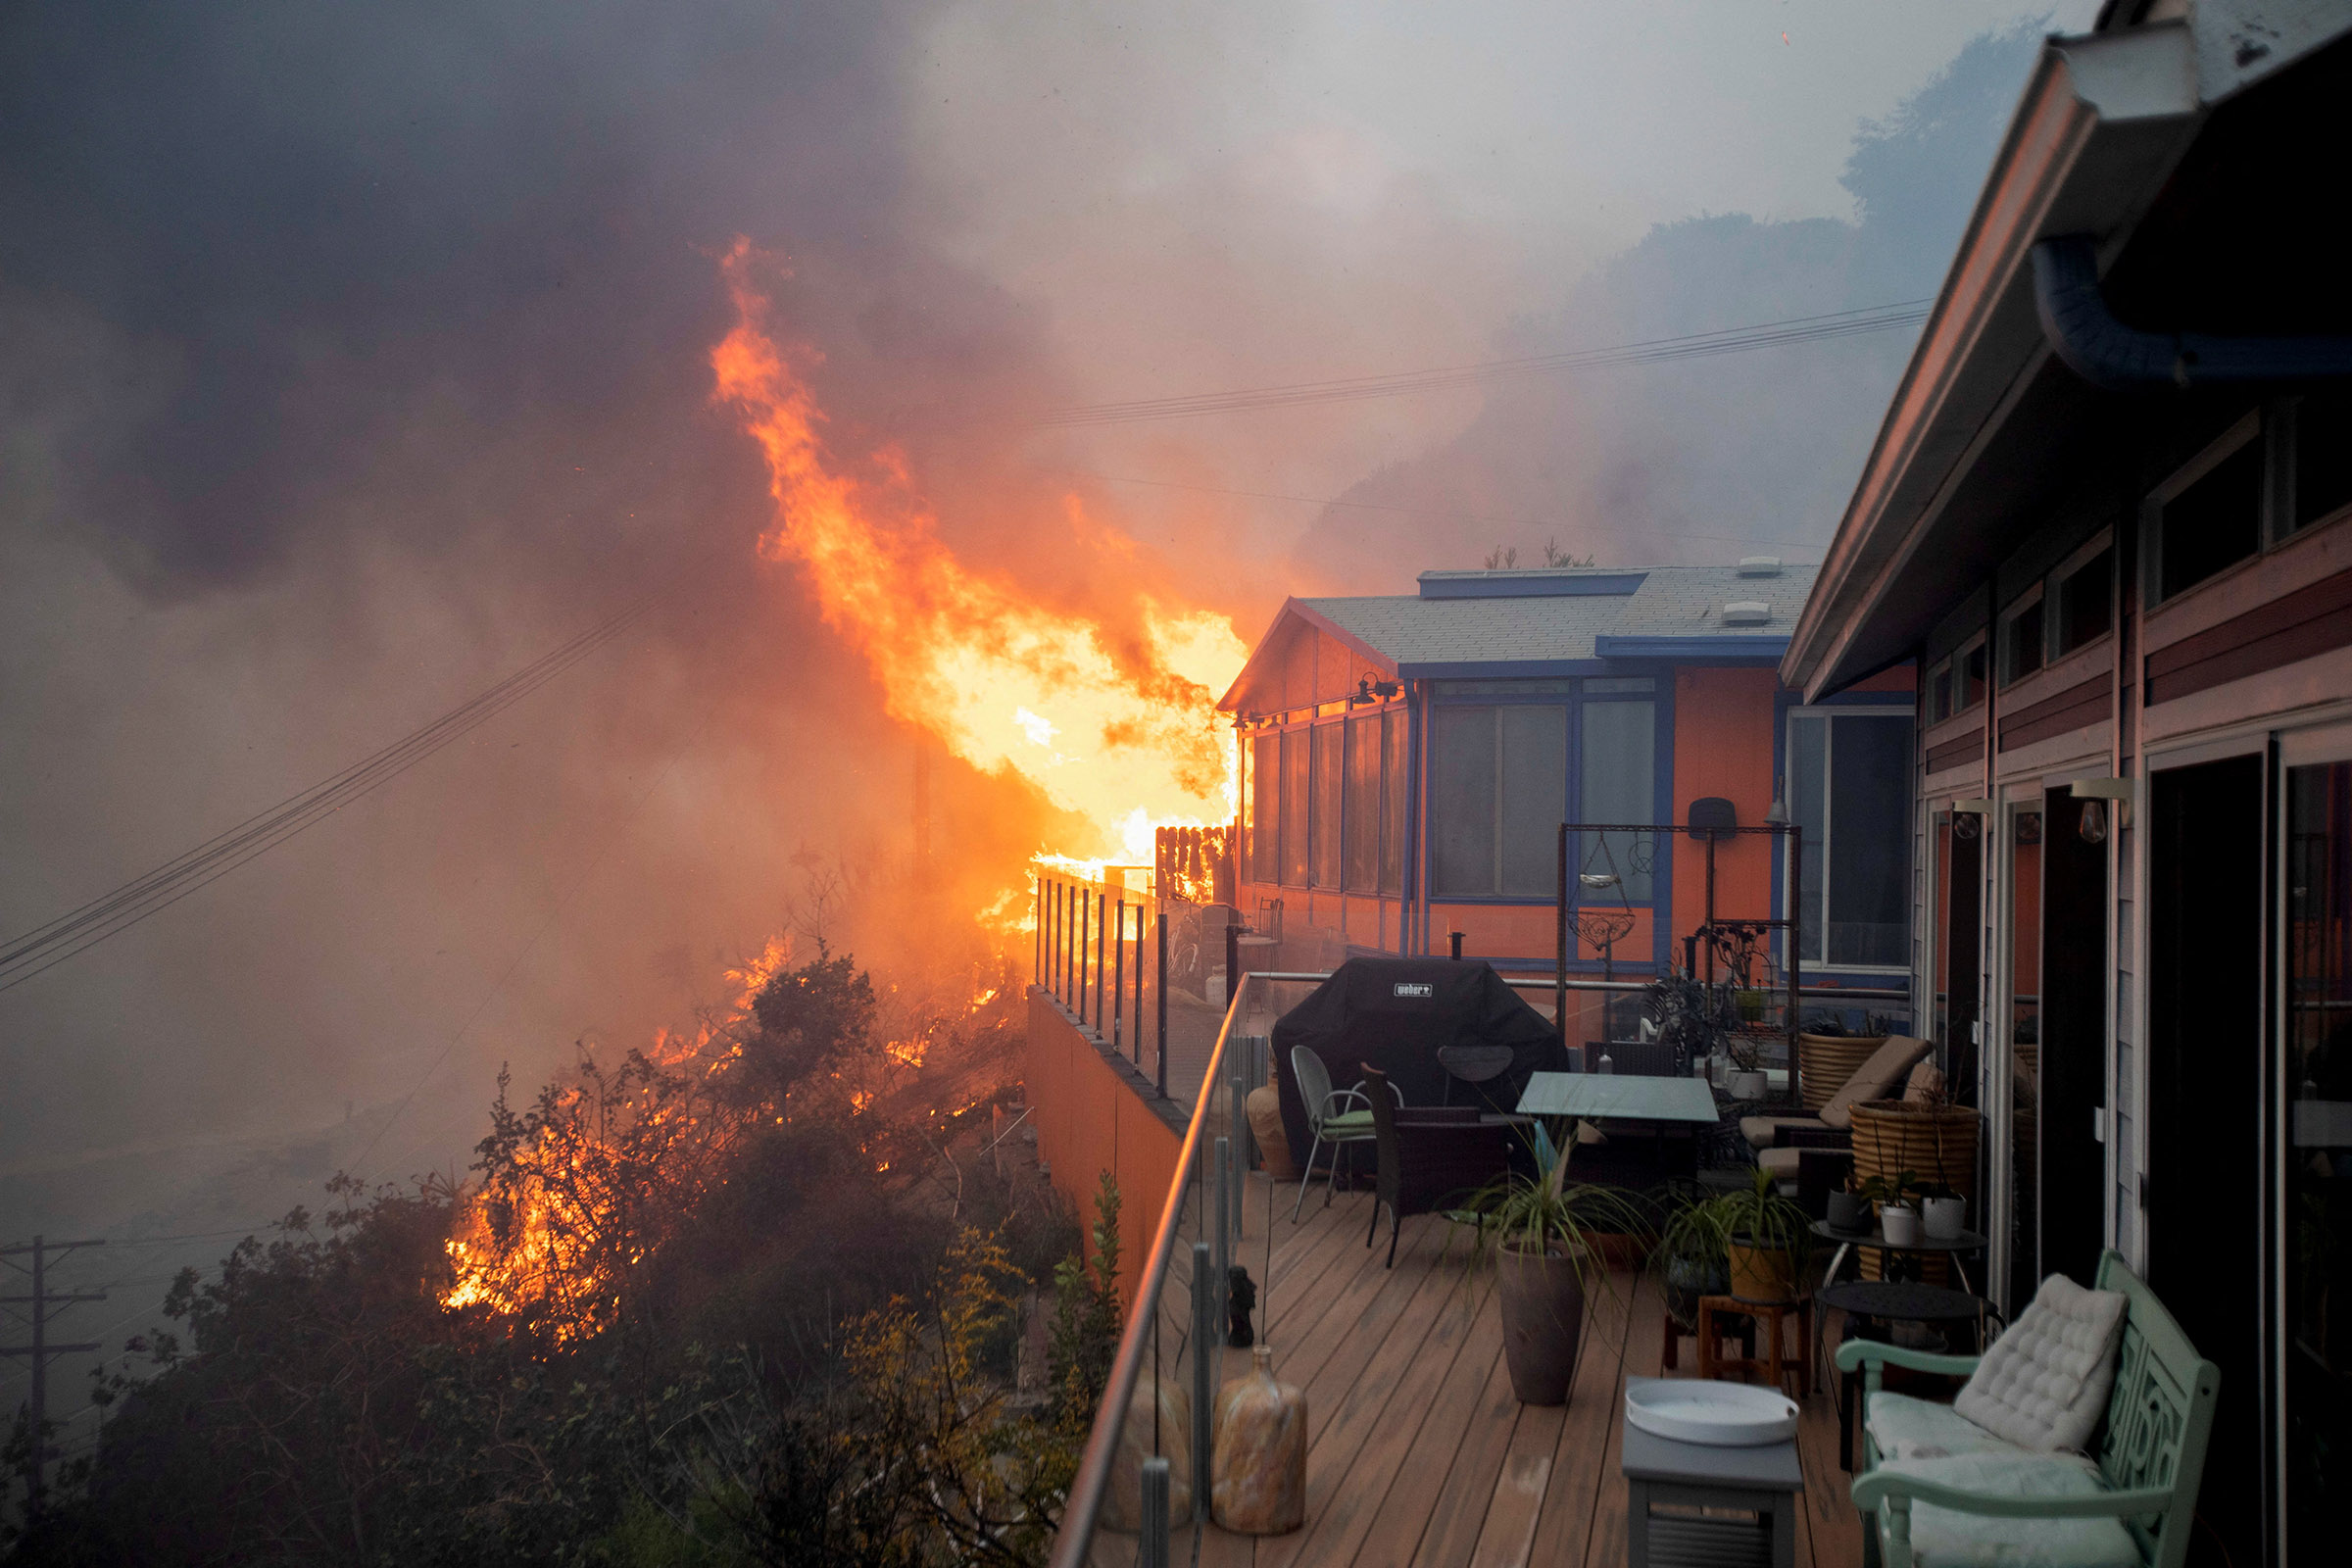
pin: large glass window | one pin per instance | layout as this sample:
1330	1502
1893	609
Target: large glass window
1364	804
1295	797
2087	602
1498	792
1849	786
1620	771
1265	809
1392	838
1330	778
2213	523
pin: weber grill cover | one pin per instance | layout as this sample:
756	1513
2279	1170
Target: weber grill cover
1394	1013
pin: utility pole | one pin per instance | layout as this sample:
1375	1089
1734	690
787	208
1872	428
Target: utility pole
45	1304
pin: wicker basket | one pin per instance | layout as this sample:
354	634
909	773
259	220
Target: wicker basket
1936	1143
1826	1061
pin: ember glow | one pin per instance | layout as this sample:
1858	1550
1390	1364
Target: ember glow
1117	728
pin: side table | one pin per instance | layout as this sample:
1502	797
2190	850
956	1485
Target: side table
1767	1317
1667	1485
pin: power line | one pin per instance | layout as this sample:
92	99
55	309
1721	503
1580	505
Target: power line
1409	511
525	951
78	930
1649	351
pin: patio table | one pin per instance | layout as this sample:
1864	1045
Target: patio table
1763	1481
1626	1097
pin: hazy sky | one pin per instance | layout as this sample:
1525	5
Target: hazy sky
350	360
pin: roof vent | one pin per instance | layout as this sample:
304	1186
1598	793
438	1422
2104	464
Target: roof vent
1746	612
1759	565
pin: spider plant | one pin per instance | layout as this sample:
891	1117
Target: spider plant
1765	1240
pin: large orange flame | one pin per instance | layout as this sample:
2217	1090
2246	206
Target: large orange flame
1002	680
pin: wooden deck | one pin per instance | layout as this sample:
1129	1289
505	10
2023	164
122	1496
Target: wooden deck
1418	1453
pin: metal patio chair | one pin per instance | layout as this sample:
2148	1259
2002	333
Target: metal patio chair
1332	1125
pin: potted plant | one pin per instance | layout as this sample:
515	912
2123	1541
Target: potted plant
1765	1237
1691	1256
1544	1234
1943	1212
1849	1210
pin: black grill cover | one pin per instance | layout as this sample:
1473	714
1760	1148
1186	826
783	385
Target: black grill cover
1396	1013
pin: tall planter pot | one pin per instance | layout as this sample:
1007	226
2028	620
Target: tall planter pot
1936	1143
1542	1322
1827	1061
1762	1273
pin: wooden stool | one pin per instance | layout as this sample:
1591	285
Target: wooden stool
1669	1351
1767	1316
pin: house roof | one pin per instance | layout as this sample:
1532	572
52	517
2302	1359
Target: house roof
1987	426
1557	620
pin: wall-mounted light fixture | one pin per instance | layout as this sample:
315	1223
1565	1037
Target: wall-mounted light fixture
1968	816
2099	817
1370	689
1778	810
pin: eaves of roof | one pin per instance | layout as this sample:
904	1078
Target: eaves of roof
2102	122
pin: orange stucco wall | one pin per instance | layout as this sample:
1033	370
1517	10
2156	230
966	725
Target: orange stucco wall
1723	740
1090	1118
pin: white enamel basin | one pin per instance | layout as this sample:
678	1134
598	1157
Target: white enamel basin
1724	1415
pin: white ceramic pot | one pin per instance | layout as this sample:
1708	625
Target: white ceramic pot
1942	1218
1747	1085
1901	1224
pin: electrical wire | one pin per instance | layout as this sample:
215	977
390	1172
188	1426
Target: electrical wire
1350	389
1409	511
78	930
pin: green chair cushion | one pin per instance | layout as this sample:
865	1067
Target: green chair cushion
1906	1428
1946	1537
1346	1123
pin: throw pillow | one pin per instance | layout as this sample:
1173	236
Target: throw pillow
2043	1385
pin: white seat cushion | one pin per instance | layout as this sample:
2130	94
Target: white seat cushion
1906	1428
1874	1079
1946	1537
2043	1383
1762	1132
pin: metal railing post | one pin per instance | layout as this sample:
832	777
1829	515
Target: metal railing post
1139	986
1237	1100
1084	898
1101	940
1204	1384
1037	932
1224	1213
1159	987
1152	1550
1118	975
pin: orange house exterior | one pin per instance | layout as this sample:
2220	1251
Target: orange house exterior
1407	762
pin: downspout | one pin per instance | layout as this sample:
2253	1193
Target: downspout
2084	333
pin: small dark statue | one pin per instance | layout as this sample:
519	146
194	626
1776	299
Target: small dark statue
1244	1293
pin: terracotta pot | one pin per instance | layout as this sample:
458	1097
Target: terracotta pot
1762	1273
1542	1322
1273	1143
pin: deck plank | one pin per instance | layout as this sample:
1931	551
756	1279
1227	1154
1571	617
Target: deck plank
1633	1311
1459	1511
1372	1432
1408	1502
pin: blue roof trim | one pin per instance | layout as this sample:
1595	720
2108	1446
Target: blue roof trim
1528	585
1500	669
1682	650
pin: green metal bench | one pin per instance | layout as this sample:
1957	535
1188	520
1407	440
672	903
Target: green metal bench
2151	1446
